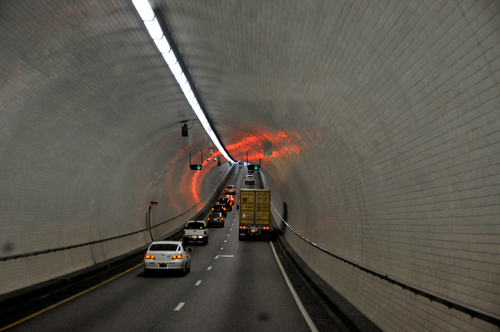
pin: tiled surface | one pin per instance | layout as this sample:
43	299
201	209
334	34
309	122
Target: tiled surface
383	117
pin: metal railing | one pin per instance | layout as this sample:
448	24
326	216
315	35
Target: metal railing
473	312
147	229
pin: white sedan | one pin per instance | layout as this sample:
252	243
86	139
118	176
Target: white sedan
167	255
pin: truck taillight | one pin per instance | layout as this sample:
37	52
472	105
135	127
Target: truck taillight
221	218
184	233
205	232
148	256
212	209
177	256
243	227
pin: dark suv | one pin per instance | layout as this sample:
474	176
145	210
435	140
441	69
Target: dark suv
220	208
227	202
215	218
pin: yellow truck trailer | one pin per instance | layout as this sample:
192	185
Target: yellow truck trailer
255	212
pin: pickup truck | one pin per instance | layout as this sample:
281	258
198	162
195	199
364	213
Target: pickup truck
195	231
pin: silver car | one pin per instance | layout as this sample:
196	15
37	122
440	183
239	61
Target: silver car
167	255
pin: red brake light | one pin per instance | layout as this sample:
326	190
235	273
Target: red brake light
179	256
221	218
212	209
208	219
148	256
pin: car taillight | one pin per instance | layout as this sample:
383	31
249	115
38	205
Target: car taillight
221	218
148	256
243	227
208	219
177	256
224	209
212	209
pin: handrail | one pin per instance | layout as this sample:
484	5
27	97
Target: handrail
473	312
41	252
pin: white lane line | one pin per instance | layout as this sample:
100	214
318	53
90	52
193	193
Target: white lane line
295	296
225	241
228	235
209	268
216	257
230	229
221	248
198	283
179	306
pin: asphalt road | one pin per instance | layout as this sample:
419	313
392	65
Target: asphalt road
233	286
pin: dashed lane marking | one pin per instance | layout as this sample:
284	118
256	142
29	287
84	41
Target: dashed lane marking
216	257
222	248
209	268
198	283
225	241
179	306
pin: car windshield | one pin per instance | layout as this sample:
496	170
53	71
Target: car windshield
165	247
195	225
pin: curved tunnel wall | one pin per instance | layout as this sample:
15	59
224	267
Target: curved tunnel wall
403	176
83	149
383	118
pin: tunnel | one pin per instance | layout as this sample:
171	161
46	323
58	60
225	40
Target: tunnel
376	125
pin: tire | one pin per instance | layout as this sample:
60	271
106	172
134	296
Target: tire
185	270
188	268
206	241
222	225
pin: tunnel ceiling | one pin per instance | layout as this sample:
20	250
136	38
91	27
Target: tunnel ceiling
376	122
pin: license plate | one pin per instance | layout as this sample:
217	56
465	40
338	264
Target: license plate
163	264
254	230
194	237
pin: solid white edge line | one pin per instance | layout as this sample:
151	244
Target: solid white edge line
179	306
294	294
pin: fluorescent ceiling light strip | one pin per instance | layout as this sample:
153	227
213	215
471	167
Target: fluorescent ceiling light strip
144	9
163	45
147	15
154	29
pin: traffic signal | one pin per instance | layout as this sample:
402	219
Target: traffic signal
196	167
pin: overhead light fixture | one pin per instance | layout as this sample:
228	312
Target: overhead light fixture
164	45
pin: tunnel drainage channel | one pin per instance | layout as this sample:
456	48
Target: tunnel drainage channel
473	312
